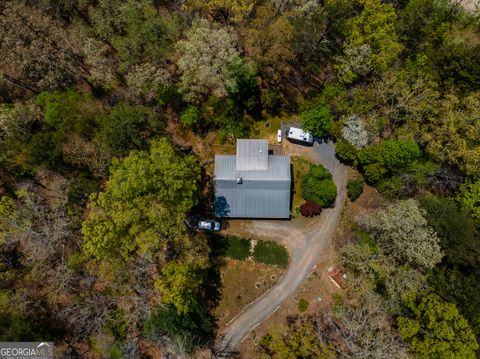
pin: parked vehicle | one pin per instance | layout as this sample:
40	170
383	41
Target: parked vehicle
279	136
297	135
208	225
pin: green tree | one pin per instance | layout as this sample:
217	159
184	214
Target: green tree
15	326
135	29
317	121
469	198
422	24
319	187
191	329
268	42
65	113
355	62
11	220
370	155
298	340
224	114
435	329
45	148
355	188
235	9
457	279
459	285
16	124
68	111
346	152
126	128
145	201
190	116
397	154
387	158
375	26
451	134
180	285
374	173
456	230
310	43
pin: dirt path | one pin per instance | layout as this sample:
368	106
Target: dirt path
305	245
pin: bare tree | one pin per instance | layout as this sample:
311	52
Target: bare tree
363	331
37	52
88	315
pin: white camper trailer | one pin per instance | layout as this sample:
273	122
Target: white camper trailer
295	134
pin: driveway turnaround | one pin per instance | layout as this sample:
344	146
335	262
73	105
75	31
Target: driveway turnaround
304	245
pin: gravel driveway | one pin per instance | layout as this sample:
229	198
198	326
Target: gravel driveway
305	245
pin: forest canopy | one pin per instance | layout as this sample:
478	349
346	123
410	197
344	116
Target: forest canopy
109	113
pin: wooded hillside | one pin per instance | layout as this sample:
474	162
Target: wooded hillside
96	190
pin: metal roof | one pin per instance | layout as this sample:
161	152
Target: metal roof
278	169
260	193
252	155
252	203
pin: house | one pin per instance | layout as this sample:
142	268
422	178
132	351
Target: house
252	183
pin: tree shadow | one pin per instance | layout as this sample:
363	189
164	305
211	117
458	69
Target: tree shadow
222	208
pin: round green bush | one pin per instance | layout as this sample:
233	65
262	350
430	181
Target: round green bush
190	116
355	188
317	121
318	186
346	152
302	305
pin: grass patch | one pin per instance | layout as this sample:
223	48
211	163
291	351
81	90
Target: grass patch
268	132
237	248
270	252
300	168
267	252
230	246
302	305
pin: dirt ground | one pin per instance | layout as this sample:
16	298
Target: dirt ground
318	289
242	283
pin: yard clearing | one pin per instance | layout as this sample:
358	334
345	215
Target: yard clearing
300	168
242	283
267	129
260	251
